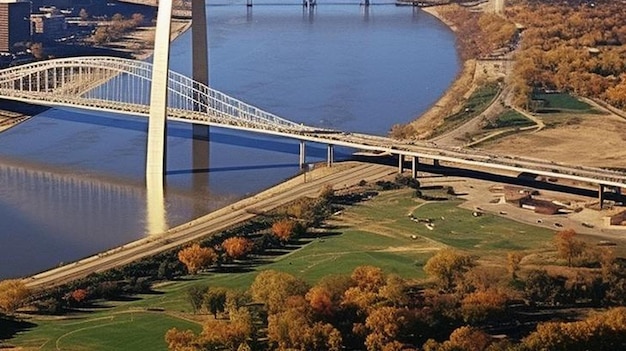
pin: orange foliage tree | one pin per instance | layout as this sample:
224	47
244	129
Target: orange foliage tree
567	246
284	229
237	247
196	257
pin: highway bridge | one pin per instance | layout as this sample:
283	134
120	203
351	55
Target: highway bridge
123	86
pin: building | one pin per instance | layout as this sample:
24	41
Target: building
48	26
14	23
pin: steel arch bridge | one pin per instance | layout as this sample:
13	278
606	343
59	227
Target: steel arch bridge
123	86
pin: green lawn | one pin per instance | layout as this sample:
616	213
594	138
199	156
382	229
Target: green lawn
107	330
562	101
510	118
376	232
484	235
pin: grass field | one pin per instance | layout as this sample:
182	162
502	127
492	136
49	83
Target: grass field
562	101
510	118
376	232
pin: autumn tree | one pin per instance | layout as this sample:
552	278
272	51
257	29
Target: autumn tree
196	257
604	332
482	305
448	266
567	246
237	247
283	229
326	296
181	340
13	293
294	329
513	260
228	335
542	288
385	325
464	338
273	288
368	282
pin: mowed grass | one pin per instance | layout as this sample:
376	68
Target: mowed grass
111	330
486	234
377	232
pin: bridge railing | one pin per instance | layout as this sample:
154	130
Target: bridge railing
116	83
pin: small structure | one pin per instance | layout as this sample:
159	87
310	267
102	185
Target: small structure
616	218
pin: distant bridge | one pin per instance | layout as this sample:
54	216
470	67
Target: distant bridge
123	86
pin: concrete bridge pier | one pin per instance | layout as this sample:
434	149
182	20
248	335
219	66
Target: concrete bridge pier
436	162
200	59
400	163
302	154
414	162
249	3
330	154
601	194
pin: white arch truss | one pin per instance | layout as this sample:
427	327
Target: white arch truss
123	85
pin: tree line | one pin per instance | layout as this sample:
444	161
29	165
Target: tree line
459	307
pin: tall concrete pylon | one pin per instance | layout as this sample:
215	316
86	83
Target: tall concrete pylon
156	149
199	43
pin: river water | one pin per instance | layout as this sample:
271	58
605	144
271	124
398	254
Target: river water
71	182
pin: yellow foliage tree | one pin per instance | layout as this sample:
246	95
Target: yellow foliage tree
13	293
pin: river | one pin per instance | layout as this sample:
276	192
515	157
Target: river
71	181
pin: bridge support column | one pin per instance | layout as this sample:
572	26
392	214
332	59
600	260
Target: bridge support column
330	155
601	194
400	163
200	59
157	136
436	163
414	162
302	154
249	3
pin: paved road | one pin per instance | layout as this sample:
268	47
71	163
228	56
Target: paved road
210	224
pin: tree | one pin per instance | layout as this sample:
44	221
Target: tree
181	340
513	261
137	19
195	257
448	266
101	36
37	50
13	293
483	305
273	288
83	14
237	247
195	296
567	246
283	229
385	325
540	287
215	300
229	335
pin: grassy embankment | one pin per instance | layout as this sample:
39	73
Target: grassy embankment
376	232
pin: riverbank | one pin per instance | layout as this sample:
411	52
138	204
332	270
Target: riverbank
452	99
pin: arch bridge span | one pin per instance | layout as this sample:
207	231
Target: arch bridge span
123	86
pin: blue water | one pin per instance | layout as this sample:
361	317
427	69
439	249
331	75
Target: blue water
71	182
